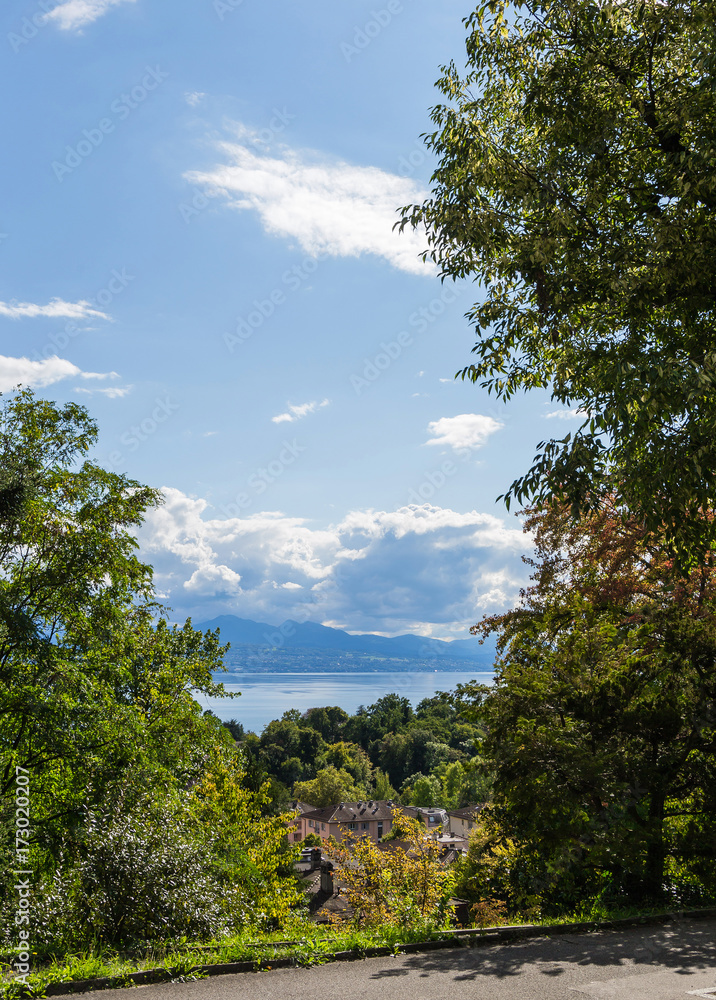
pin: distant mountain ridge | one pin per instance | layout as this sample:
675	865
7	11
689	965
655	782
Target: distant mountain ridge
311	635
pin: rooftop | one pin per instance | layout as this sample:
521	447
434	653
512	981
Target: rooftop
469	812
351	812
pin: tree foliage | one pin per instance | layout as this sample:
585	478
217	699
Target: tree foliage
404	884
98	707
601	726
330	786
577	183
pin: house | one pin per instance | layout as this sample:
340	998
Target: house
360	819
461	821
452	847
300	808
433	818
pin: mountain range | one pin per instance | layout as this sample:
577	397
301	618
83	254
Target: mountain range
311	635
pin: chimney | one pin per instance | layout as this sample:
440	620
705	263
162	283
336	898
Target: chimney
327	877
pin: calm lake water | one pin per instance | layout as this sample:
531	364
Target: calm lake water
267	696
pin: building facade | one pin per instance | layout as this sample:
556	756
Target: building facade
355	819
461	821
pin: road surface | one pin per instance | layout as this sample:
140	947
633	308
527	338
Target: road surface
676	961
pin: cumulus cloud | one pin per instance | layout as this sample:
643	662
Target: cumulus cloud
194	98
297	412
55	309
327	206
25	371
467	430
76	13
419	567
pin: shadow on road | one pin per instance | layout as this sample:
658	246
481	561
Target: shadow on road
681	946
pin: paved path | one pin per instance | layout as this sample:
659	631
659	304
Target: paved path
653	963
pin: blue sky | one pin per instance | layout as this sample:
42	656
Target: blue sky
197	244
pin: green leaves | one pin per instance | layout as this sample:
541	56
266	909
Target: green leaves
602	720
577	183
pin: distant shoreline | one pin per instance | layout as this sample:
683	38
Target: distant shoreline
358	672
256	659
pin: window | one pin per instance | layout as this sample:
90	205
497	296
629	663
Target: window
323	826
351	826
364	826
380	829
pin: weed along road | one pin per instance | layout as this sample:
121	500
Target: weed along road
669	962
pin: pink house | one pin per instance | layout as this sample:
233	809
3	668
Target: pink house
360	819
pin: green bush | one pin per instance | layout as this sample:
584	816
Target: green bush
137	877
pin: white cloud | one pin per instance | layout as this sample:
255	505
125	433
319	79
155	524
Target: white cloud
101	376
417	568
111	392
566	415
25	371
76	13
467	430
327	206
297	412
55	309
194	98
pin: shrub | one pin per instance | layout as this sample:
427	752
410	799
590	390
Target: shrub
404	885
139	877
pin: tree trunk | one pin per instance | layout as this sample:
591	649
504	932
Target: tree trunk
655	853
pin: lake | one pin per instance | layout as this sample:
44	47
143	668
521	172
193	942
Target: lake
267	696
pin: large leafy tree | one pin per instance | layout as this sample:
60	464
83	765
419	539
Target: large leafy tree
330	786
577	183
95	686
601	726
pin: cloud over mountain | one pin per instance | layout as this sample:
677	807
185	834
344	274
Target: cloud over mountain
419	568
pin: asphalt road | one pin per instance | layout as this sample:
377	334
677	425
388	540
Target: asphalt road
652	963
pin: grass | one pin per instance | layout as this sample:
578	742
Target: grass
304	942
